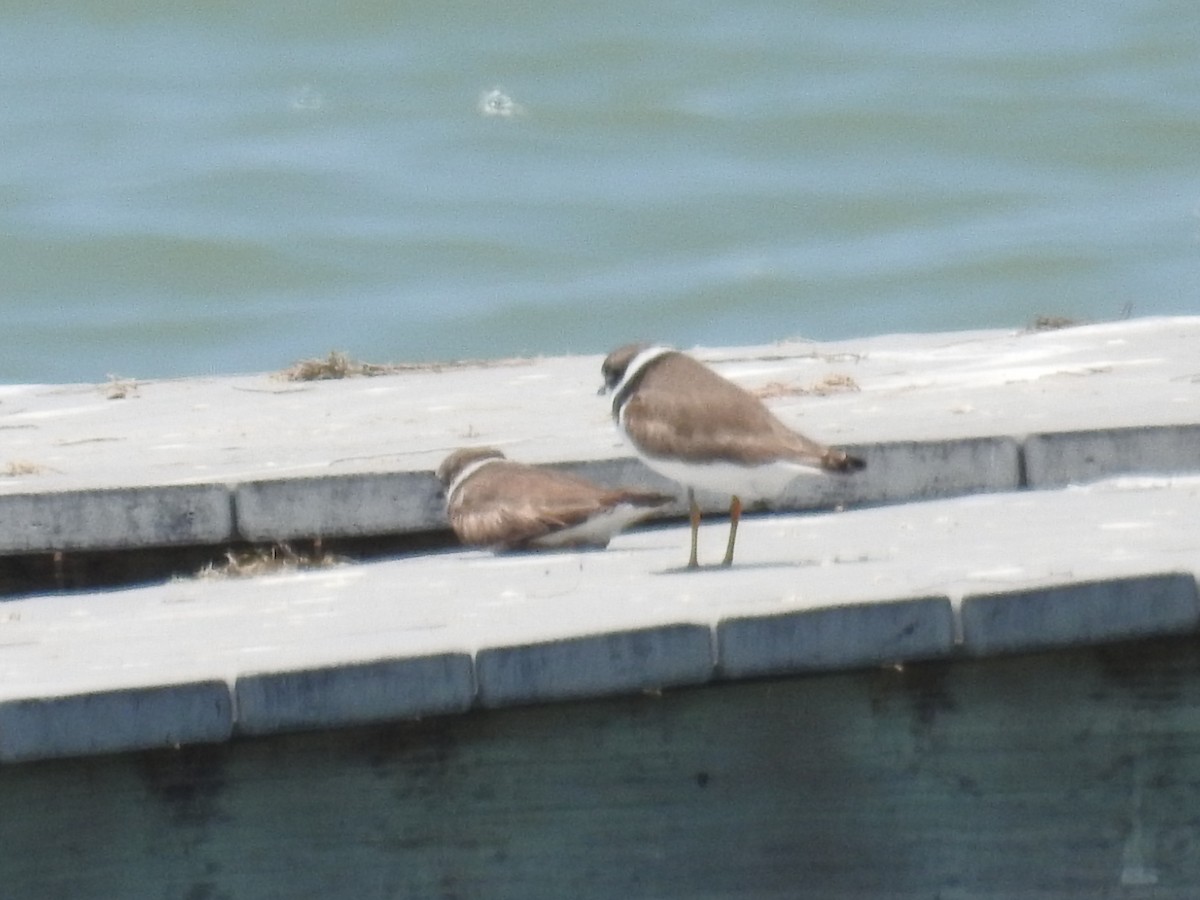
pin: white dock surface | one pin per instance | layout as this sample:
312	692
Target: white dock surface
1024	491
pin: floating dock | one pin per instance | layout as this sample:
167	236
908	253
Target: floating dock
969	671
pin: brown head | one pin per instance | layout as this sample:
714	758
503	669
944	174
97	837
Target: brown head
616	363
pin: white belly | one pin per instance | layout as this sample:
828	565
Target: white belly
596	531
750	483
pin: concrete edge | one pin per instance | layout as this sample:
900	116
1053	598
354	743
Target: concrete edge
341	696
115	721
403	502
331	506
116	518
1079	613
836	637
1057	459
903	471
825	639
596	665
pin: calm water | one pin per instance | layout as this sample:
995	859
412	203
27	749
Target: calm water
233	189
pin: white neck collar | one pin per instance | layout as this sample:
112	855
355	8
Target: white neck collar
467	471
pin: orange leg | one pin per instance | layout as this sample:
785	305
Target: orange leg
694	510
735	515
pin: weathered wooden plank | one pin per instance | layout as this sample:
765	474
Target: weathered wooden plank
1065	775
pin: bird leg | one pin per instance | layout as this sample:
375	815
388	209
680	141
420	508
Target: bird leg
694	511
735	514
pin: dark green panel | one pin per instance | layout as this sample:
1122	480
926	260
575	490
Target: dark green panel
1062	775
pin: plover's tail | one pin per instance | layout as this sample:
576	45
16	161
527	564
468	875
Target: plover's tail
834	460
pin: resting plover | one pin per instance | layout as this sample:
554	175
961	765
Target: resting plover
494	502
693	426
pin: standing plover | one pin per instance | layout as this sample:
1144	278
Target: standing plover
693	426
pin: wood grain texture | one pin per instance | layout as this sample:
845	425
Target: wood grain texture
1064	775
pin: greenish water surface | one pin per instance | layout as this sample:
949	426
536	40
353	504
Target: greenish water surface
231	188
